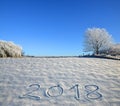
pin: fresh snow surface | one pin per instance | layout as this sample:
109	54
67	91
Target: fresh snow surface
59	82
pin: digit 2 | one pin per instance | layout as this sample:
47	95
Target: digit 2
29	94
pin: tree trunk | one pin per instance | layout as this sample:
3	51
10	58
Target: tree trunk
97	50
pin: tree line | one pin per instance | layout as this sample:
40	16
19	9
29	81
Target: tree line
97	40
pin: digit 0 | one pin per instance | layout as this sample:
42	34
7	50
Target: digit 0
51	92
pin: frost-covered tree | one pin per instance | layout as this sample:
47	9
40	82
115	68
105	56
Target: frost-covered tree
9	49
97	39
115	49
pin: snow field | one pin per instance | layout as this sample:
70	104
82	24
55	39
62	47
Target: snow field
59	82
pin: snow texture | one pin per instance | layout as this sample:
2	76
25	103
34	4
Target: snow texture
59	82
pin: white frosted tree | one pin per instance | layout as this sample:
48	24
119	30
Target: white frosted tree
115	49
9	49
97	39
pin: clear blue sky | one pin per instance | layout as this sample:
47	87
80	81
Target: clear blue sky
56	27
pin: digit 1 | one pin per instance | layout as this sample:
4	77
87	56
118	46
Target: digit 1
77	94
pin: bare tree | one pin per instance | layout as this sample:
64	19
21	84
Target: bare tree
97	39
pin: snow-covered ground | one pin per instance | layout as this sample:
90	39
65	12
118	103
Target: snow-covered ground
59	82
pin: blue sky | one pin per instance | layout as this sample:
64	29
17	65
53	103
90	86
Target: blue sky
56	27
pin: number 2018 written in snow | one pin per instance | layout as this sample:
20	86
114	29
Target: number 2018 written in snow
55	91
